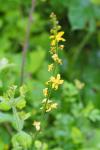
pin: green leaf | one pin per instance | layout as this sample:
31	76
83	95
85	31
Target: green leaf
82	15
5	117
35	60
4	63
4	106
22	139
77	135
95	115
77	18
43	75
21	103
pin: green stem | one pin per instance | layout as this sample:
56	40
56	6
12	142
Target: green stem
17	119
54	73
50	89
81	45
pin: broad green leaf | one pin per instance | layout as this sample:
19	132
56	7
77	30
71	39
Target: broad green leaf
77	18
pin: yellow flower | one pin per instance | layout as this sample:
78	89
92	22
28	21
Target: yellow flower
59	61
50	67
56	59
45	92
54	105
61	47
52	15
57	38
53	49
37	125
44	101
51	106
56	81
53	42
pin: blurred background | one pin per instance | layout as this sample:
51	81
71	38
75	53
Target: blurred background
75	125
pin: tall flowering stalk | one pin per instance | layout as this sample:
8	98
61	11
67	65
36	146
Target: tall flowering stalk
55	80
56	38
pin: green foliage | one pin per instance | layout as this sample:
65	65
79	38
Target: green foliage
21	140
80	13
75	125
40	54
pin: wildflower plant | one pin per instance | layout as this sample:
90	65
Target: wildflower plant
56	39
55	48
14	99
9	101
22	43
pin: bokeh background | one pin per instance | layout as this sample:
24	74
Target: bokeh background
75	125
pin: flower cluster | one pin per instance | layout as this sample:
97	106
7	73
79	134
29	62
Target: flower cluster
56	39
37	125
55	80
50	105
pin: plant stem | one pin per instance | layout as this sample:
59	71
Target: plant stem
17	119
26	44
9	129
81	45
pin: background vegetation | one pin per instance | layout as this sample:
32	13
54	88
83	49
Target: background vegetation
75	125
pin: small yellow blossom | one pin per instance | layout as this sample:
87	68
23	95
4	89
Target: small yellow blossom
79	84
44	101
51	107
61	47
52	49
53	42
48	109
57	38
50	67
56	81
45	92
56	59
47	102
59	61
52	15
37	125
54	106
